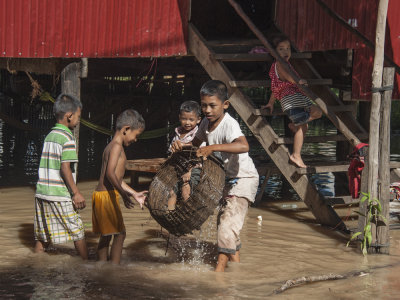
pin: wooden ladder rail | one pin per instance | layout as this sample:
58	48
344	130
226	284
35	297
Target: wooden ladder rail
261	129
338	122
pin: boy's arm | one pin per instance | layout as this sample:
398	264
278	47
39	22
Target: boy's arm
113	157
178	145
140	197
66	174
239	145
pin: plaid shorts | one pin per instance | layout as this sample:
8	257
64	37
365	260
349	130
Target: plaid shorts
57	222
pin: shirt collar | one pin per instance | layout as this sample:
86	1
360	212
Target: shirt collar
62	127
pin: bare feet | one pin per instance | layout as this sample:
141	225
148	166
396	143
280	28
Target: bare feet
298	162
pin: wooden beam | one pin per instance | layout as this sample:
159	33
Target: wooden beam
71	85
256	56
346	200
267	83
319	139
382	235
34	65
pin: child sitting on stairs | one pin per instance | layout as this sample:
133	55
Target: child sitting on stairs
294	103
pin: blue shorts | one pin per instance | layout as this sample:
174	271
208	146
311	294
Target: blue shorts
299	115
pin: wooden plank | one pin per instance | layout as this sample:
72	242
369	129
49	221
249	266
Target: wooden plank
382	236
267	83
257	56
151	165
341	200
233	42
341	108
319	139
263	132
267	112
262	188
71	85
334	167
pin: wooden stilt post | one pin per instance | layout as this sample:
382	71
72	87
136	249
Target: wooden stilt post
373	151
382	230
71	84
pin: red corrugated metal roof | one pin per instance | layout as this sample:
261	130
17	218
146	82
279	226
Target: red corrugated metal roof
93	28
312	29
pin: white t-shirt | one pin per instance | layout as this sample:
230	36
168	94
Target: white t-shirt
236	165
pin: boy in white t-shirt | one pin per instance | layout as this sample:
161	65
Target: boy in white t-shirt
223	134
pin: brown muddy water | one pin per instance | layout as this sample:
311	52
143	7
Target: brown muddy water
286	244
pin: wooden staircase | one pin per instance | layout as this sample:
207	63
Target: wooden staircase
341	116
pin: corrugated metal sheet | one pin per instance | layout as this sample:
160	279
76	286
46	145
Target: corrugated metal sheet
312	29
93	28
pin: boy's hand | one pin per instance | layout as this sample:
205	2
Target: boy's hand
176	146
204	152
78	201
140	197
127	201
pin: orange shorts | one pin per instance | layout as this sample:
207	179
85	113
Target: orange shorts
106	213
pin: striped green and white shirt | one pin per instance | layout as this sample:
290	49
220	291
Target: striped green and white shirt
59	146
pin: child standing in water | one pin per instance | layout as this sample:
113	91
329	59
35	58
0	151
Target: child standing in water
223	134
106	212
298	107
189	117
57	197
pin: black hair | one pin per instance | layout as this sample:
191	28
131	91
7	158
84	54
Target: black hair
276	39
131	118
65	103
190	106
214	88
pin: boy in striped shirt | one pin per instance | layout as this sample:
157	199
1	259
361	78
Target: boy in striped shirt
57	197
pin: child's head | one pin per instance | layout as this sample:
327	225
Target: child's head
67	110
214	99
130	124
281	44
189	115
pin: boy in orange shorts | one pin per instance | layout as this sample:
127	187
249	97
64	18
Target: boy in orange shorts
106	212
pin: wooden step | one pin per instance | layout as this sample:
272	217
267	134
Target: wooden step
338	166
341	200
320	138
279	112
256	56
267	83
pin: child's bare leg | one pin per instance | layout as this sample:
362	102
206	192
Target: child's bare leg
222	262
81	247
315	113
171	200
102	248
116	248
40	246
235	257
297	145
185	191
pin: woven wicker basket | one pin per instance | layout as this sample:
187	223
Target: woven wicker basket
205	196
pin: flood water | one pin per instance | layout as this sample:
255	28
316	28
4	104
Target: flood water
286	245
